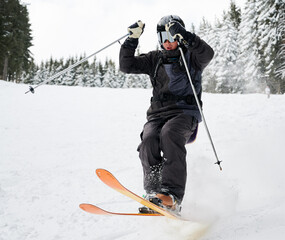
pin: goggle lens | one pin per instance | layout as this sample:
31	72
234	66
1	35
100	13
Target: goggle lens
163	36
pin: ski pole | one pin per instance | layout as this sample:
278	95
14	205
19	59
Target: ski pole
32	89
200	108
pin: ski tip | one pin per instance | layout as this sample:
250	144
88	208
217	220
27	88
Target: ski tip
83	206
93	209
100	171
109	179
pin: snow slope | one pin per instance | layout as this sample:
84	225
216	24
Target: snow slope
52	141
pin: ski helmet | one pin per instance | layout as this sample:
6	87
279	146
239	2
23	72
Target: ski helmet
161	32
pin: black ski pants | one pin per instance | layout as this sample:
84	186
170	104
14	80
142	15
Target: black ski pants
163	153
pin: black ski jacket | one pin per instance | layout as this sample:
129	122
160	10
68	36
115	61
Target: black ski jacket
172	92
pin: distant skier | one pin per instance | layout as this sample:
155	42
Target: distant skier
173	115
267	91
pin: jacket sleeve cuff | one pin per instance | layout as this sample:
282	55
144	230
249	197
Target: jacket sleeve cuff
131	43
190	38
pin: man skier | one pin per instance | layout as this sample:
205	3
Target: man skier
173	115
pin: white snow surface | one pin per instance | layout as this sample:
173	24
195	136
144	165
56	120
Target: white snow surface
52	141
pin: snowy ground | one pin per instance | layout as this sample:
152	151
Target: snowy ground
52	141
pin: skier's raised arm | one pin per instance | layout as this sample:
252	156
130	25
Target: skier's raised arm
202	53
129	63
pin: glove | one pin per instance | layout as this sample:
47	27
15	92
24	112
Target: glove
178	32
136	29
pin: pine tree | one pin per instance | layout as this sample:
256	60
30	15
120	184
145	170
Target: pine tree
15	40
280	69
130	81
270	15
249	71
121	78
109	78
210	35
235	14
228	51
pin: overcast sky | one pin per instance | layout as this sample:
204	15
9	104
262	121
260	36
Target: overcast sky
63	28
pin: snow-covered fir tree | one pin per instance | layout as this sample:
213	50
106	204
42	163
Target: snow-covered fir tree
130	81
270	15
248	64
110	76
280	69
211	36
226	75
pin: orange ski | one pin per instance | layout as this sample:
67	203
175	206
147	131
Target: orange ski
99	211
112	182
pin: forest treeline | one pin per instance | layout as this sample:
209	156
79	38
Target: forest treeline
249	47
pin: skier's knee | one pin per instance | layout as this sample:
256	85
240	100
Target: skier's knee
149	140
168	133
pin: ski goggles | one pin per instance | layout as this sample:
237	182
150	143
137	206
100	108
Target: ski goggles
164	36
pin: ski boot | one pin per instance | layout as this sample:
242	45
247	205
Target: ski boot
167	202
145	209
